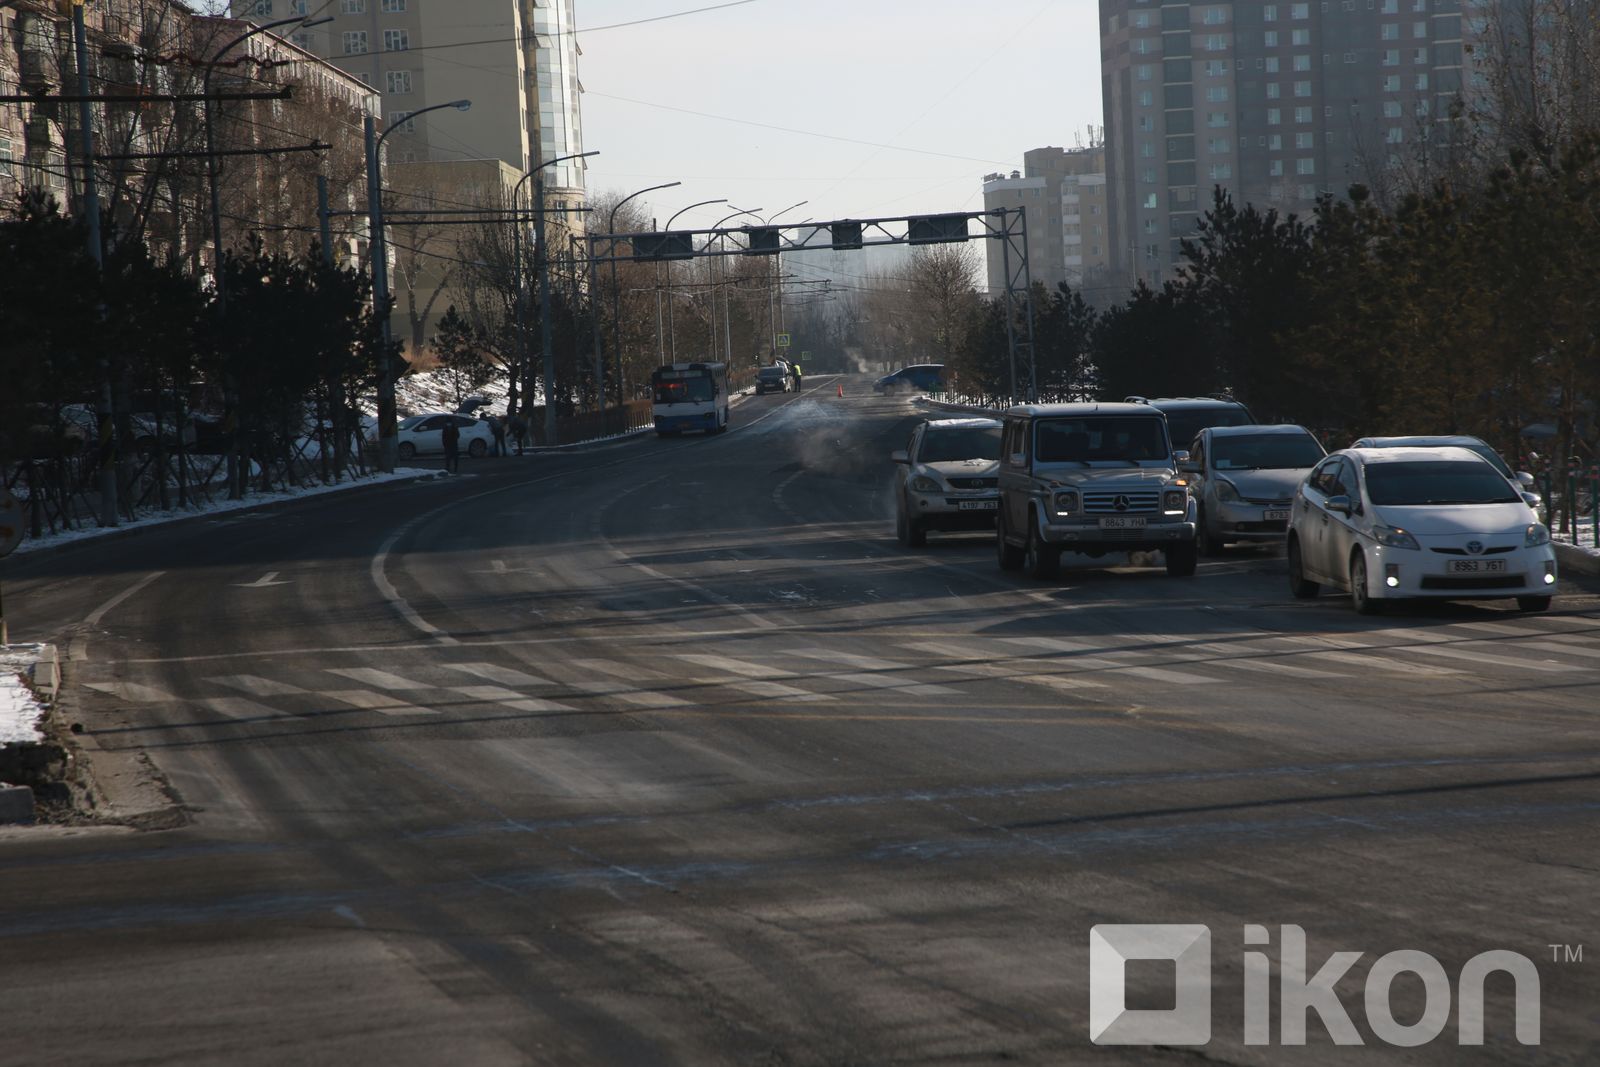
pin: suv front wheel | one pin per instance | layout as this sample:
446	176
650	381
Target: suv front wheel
1181	559
1041	560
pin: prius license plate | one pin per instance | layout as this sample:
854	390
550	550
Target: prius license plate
1477	566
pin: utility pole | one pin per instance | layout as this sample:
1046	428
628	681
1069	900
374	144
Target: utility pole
388	429
91	216
541	263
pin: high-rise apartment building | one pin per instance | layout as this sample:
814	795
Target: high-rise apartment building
1276	103
516	60
1064	194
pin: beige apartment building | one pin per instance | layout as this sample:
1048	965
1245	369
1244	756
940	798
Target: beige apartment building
1064	194
515	60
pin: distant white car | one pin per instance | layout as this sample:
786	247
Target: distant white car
1389	523
424	435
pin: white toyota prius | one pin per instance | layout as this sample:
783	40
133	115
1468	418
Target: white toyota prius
1396	523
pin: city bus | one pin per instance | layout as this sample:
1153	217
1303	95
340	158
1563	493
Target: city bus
690	396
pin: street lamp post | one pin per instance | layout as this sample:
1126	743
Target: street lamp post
541	264
616	291
716	261
219	275
672	327
388	429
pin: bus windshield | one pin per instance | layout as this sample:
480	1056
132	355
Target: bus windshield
686	391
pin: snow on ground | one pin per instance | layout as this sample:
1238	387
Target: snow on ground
19	709
253	500
1584	537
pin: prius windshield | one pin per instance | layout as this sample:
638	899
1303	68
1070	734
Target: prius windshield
1265	452
1437	483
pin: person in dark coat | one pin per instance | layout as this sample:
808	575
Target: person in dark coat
497	426
452	447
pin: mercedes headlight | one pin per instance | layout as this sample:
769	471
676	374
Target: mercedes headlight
924	484
1175	500
1394	537
1538	534
1066	503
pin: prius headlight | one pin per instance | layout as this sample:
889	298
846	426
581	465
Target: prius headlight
1538	534
1394	537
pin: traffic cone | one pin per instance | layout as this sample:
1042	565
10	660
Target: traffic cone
841	389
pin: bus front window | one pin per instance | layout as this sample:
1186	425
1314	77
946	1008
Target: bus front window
685	391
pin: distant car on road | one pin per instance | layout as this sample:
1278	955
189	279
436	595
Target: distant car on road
921	378
1244	478
948	478
772	380
1441	523
424	435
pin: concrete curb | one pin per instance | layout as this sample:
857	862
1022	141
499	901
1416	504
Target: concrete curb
1575	560
45	674
123	532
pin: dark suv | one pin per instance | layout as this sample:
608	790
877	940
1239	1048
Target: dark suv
1188	415
922	378
772	379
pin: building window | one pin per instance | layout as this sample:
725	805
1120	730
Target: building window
1148	150
1216	42
1141	20
297	7
1302	114
1302	88
1391	57
1349	57
1394	135
1218	145
1275	168
1308	192
1217	94
1299	11
1391	83
1391	109
355	42
1419	56
1144	72
262	7
1421	83
1215	16
1302	62
1216	119
396	40
1221	172
1300	38
353	7
402	121
397	81
1390	32
1275	142
1150	201
301	40
394	7
1419	29
1274	90
1304	140
1146	98
1272	64
1274	117
1216	68
1269	12
1270	38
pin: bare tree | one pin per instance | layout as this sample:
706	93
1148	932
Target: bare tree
943	282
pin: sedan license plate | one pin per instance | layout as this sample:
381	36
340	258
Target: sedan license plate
978	505
1121	522
1275	515
1477	566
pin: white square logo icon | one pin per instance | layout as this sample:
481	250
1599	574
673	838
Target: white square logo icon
1187	1022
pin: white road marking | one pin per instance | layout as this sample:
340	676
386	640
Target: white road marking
771	690
496	673
139	694
494	694
902	684
262	582
380	679
382	703
94	617
243	708
257	686
1374	662
732	666
1499	661
1496	628
628	695
615	668
1561	648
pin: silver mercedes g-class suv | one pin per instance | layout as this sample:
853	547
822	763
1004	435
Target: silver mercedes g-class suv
1090	478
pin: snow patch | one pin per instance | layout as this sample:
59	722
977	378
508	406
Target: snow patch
19	708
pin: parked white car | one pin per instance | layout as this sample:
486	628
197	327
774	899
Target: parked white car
1391	523
424	435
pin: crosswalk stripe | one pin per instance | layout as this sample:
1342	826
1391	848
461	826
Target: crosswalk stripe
257	686
1562	649
773	690
1268	666
1053	644
1159	674
1011	670
244	708
377	678
871	663
614	668
134	691
732	666
628	695
1499	661
1498	628
510	698
493	672
382	703
901	683
1382	664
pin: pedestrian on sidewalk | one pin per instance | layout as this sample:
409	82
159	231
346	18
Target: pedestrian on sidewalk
497	426
452	447
519	430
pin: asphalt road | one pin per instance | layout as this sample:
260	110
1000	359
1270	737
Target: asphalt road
665	752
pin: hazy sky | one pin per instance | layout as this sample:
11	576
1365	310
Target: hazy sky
969	84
